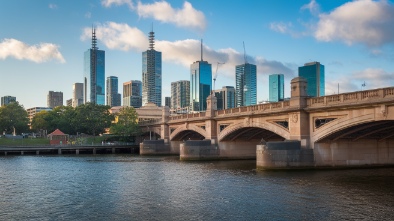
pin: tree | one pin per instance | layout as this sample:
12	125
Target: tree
92	118
127	122
13	117
41	121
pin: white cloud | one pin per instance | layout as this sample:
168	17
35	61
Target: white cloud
52	6
184	52
88	15
373	78
37	53
281	27
162	11
109	3
118	36
312	6
363	21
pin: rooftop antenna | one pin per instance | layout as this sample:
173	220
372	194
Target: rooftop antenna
151	39
94	39
244	53
216	73
201	50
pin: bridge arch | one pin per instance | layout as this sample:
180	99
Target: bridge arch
181	130
355	129
150	132
265	126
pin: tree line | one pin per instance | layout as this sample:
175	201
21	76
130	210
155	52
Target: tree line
88	118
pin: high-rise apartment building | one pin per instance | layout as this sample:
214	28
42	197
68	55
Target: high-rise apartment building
200	83
7	99
113	97
69	102
94	79
180	96
276	87
151	74
132	94
77	94
167	101
31	112
313	72
54	99
245	84
225	97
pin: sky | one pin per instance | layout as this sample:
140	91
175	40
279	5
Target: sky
42	43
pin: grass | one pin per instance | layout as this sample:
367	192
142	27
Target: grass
23	142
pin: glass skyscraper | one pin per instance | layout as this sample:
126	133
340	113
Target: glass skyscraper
225	97
313	72
132	94
276	87
180	95
151	74
94	79
200	84
245	84
113	97
7	99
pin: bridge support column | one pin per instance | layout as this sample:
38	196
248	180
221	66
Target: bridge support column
283	155
37	152
59	151
154	147
77	151
199	150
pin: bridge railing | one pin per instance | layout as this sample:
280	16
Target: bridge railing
150	122
186	116
257	107
352	97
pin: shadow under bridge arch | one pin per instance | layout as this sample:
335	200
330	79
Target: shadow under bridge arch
188	132
253	133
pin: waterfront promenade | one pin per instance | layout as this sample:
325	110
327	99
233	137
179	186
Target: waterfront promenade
68	149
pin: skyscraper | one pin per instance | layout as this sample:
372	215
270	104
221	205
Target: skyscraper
245	84
113	97
200	83
132	94
180	96
167	102
151	73
77	94
313	72
94	79
54	99
225	97
276	87
69	102
7	99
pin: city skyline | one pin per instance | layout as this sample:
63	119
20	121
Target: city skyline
278	40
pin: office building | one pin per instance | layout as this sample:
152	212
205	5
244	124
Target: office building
7	99
113	97
151	74
245	85
180	96
276	87
54	99
69	102
132	94
167	102
31	112
225	97
200	83
77	94
94	70
313	72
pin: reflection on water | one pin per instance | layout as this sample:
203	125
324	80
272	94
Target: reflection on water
124	187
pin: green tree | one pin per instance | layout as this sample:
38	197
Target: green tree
92	118
13	117
127	123
41	121
63	119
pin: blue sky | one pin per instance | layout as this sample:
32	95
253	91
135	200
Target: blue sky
42	42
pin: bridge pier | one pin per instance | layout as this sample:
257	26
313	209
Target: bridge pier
154	147
283	155
199	150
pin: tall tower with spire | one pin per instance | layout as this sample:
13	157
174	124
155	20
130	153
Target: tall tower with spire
151	73
200	83
94	73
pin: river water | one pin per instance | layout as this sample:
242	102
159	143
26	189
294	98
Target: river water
132	187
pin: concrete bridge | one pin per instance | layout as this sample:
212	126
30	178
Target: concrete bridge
349	129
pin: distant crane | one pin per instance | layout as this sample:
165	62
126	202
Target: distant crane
216	73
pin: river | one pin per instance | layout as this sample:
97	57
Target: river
132	187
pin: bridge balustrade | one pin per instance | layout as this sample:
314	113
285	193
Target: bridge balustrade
388	92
